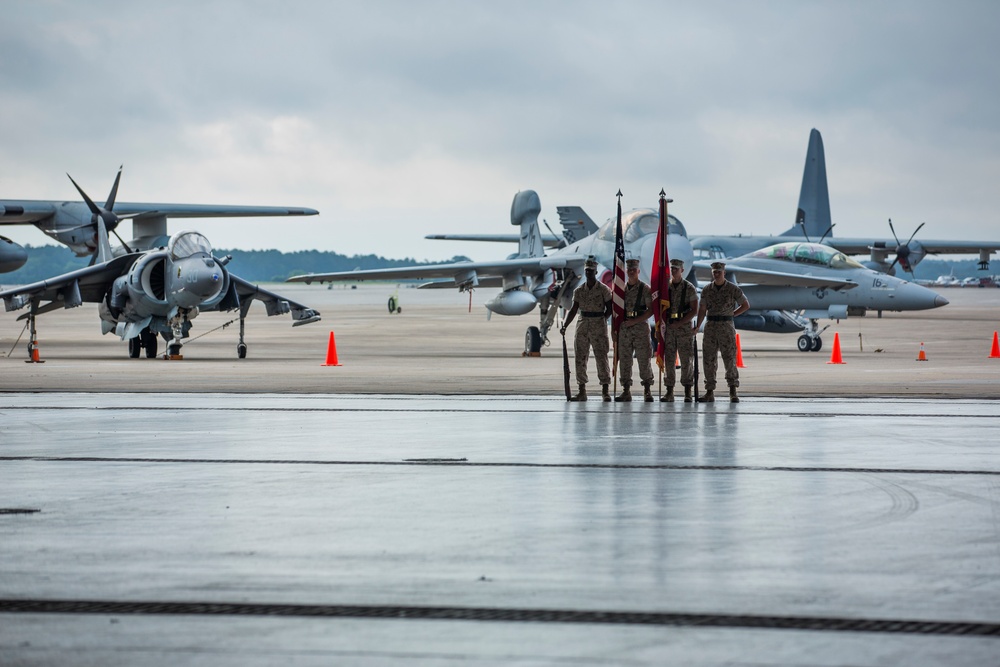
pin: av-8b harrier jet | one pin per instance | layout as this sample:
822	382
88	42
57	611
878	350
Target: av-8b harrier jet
150	293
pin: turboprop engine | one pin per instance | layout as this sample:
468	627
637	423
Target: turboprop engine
512	302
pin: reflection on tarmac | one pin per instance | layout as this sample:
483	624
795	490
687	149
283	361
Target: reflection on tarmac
766	530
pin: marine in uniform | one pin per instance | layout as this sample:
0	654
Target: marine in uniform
721	301
593	301
677	334
633	336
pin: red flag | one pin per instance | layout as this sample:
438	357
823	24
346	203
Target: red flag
660	278
618	282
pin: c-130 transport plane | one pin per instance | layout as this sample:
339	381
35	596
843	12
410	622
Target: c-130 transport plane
73	223
143	294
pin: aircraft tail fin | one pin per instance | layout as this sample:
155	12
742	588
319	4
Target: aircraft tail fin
813	220
575	222
524	213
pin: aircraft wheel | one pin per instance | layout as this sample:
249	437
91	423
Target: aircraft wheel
532	341
173	350
241	351
133	347
149	342
817	344
392	305
804	343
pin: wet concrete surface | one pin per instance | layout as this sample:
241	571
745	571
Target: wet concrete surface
205	528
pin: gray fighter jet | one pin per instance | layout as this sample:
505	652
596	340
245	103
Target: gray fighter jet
148	293
791	285
74	223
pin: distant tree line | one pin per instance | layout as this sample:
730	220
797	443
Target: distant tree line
253	265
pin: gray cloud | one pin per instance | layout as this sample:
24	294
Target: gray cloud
398	119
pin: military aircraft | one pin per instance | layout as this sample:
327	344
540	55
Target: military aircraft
74	224
149	292
813	223
575	222
800	282
529	277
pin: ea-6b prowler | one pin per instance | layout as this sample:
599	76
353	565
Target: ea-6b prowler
156	292
531	278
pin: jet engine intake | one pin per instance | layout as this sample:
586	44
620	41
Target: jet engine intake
514	302
12	255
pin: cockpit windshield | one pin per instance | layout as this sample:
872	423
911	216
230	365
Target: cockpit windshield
808	253
639	223
186	244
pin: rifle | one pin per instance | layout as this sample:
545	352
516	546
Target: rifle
566	368
694	343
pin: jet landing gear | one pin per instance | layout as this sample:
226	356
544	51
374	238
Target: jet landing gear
810	341
807	344
146	340
241	347
532	343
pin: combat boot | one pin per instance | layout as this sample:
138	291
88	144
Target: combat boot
647	395
733	398
669	398
688	394
708	397
605	393
582	396
625	396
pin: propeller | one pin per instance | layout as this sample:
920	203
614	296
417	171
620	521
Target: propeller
903	250
822	238
106	214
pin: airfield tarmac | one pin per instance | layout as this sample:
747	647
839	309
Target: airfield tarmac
435	501
436	346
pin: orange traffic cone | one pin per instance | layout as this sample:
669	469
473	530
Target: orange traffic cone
677	362
921	356
331	352
995	352
835	358
739	353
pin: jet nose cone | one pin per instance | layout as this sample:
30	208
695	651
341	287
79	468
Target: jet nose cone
917	297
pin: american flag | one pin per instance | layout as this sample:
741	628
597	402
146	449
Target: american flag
618	283
660	279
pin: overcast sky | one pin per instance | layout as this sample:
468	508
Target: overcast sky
400	119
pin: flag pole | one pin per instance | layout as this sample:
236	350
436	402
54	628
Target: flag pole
660	287
617	292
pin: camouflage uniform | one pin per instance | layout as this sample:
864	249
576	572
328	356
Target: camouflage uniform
678	342
592	331
635	339
720	334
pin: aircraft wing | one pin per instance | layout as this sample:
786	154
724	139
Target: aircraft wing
275	303
777	278
548	239
862	246
19	212
460	272
87	285
140	211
